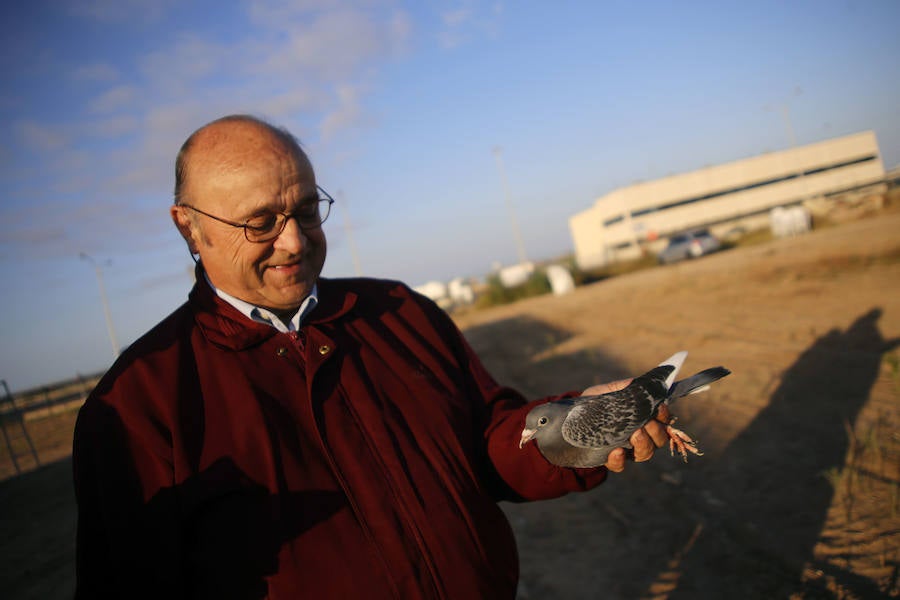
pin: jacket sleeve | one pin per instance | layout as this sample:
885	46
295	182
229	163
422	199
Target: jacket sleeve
127	546
522	474
510	473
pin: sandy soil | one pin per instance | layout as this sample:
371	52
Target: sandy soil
797	495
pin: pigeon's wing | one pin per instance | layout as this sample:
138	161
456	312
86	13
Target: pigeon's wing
608	419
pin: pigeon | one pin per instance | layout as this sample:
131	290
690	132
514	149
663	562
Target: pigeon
582	431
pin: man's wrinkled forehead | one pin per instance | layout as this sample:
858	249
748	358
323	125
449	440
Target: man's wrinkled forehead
242	141
230	147
235	162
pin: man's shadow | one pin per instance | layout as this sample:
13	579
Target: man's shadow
766	498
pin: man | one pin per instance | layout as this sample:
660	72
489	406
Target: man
283	435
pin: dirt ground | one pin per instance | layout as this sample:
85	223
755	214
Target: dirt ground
797	495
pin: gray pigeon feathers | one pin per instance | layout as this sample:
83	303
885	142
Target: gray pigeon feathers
581	432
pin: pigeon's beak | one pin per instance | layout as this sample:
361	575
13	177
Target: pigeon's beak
527	435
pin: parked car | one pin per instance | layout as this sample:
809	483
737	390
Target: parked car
689	245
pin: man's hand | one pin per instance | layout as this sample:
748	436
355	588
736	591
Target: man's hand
644	441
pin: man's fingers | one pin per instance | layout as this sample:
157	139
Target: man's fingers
615	462
663	414
644	441
657	432
656	428
605	388
643	445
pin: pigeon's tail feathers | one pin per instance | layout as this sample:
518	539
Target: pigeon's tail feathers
697	383
698	390
676	360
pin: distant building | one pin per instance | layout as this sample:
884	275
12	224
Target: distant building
735	195
515	275
435	291
461	291
561	281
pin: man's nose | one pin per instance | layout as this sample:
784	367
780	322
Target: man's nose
292	238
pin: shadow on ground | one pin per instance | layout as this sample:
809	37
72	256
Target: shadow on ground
519	352
37	549
741	523
765	498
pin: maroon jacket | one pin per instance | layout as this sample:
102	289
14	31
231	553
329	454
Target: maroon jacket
360	457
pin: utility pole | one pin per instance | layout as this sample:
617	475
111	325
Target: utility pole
98	269
789	128
348	230
785	110
517	234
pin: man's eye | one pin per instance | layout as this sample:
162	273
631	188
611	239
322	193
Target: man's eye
261	222
308	211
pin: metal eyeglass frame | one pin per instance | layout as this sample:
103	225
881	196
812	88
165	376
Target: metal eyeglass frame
276	229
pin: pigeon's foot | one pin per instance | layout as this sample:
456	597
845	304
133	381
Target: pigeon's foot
679	440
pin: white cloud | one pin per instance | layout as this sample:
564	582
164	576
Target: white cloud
38	235
114	99
295	62
331	47
113	127
71	160
291	102
345	114
176	69
467	20
149	163
40	137
401	27
312	63
117	11
456	18
44	227
103	72
275	13
454	32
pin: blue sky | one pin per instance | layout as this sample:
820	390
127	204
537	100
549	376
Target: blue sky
400	105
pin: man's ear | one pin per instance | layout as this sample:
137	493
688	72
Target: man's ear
186	227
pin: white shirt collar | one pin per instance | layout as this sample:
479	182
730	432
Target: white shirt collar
263	315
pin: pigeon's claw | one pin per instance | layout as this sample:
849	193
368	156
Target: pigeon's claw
681	441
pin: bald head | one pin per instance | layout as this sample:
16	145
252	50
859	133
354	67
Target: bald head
226	144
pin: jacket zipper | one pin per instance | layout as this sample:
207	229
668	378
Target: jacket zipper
299	339
410	522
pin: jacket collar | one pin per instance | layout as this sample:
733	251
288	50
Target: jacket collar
225	326
335	301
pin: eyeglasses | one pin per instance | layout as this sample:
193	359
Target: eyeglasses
268	226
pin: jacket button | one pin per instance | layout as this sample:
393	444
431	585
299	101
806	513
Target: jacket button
281	351
324	349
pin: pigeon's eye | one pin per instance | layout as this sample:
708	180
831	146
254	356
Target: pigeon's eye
542	421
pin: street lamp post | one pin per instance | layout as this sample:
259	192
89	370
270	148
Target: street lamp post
98	269
520	244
